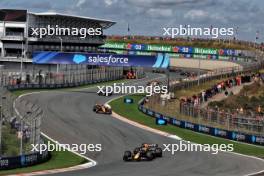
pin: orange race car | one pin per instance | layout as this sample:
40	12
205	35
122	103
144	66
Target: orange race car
102	109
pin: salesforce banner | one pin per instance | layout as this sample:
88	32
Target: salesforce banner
46	57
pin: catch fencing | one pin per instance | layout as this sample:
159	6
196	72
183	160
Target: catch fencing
220	73
67	77
20	120
236	121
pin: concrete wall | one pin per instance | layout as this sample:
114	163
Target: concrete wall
205	64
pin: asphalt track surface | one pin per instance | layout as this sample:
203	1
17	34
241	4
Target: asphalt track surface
69	119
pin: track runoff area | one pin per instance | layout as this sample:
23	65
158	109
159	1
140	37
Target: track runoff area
83	120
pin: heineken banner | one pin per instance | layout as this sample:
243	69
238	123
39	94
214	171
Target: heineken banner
46	57
205	51
172	49
115	45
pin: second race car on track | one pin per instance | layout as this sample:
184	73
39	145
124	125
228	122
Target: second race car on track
146	152
154	83
104	92
102	109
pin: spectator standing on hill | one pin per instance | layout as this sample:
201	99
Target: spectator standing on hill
219	88
203	96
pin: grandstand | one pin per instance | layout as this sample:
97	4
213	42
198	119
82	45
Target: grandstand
17	41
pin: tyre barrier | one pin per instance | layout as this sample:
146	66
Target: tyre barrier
24	160
226	134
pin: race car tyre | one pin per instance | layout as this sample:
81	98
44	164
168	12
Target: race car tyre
109	112
127	156
158	152
149	156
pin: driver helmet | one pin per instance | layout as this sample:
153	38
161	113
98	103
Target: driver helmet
107	106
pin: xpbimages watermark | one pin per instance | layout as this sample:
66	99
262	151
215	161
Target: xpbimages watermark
65	31
131	89
187	30
192	147
80	148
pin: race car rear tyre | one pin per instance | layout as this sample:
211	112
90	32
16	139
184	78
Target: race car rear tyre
109	112
127	156
158	152
149	156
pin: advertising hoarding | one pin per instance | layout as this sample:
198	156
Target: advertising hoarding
172	49
47	57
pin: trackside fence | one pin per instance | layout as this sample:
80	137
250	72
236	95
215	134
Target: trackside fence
223	133
20	128
69	78
20	120
234	126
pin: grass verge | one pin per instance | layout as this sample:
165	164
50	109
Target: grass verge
130	111
58	160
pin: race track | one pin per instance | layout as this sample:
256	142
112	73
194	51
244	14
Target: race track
69	119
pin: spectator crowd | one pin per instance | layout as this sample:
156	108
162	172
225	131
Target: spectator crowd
220	87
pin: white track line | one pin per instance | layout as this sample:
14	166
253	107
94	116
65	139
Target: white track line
93	163
89	164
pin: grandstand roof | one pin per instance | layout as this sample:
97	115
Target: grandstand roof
104	23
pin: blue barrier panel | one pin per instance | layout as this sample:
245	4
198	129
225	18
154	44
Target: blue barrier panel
175	122
157	115
23	160
204	129
149	112
232	135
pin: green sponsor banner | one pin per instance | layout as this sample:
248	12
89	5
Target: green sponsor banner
205	51
174	55
200	56
117	51
163	48
114	45
144	53
223	57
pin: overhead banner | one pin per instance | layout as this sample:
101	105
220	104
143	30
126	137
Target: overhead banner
114	45
46	57
173	49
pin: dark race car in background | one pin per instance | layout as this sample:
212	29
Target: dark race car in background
146	152
104	92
